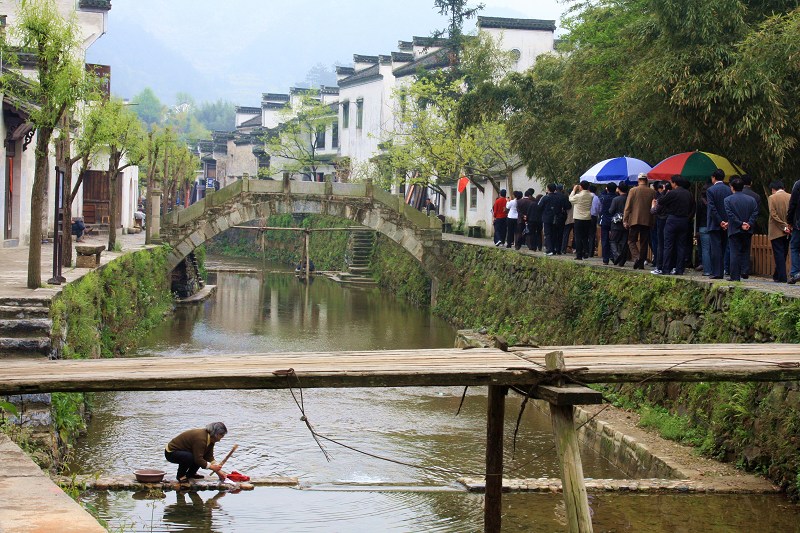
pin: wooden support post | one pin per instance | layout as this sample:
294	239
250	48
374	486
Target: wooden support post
495	415
308	258
579	518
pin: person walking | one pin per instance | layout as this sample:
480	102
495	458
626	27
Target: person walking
779	229
677	207
604	219
500	218
638	220
581	199
717	222
742	211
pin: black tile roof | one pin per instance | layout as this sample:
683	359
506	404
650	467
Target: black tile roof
103	5
358	58
402	57
438	59
248	110
255	121
274	105
328	90
405	45
516	24
275	97
427	42
385	60
363	76
345	71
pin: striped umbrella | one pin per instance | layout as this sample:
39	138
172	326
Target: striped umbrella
616	170
694	166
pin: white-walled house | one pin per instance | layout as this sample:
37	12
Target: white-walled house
366	112
17	150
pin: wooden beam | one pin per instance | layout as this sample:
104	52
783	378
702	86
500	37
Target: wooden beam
576	500
306	230
568	395
495	416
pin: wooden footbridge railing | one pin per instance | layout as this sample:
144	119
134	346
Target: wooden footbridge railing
555	374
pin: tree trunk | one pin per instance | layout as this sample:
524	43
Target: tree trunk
37	208
113	171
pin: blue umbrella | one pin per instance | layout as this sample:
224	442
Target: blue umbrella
616	170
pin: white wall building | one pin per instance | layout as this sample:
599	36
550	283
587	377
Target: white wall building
16	173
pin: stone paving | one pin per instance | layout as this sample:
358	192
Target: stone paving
23	483
14	266
754	283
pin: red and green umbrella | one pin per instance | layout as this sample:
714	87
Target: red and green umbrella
694	166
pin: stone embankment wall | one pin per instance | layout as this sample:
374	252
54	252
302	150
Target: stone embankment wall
535	300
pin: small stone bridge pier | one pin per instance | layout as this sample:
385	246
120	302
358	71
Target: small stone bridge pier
247	200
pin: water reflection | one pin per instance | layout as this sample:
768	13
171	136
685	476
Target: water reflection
253	313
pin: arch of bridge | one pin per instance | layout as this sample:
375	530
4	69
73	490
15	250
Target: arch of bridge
247	200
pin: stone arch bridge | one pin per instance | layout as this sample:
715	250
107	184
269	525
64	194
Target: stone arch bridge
247	200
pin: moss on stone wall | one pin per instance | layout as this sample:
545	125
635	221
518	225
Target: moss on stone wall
550	302
327	249
107	311
105	314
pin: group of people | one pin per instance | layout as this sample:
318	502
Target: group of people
662	216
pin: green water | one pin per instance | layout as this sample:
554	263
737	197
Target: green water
427	446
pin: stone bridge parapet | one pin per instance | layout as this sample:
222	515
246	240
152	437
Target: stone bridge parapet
248	200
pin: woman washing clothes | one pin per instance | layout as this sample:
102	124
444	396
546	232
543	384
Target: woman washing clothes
194	449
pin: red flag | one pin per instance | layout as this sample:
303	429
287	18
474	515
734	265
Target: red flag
462	183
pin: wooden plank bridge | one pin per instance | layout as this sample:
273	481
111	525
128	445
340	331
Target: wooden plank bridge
556	374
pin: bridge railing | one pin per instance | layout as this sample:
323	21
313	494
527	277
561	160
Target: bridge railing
302	188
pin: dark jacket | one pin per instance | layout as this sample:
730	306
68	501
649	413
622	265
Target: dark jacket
677	202
534	213
522	208
617	206
740	208
605	204
548	204
716	205
793	214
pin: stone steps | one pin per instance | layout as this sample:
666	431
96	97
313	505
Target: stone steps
25	327
22	312
25	348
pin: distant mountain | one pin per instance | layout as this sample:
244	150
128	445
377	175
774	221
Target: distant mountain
138	60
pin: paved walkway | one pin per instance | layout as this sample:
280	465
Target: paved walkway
23	482
754	283
14	266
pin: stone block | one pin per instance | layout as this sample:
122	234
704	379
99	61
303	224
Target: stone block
185	248
197	238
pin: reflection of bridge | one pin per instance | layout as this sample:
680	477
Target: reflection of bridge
553	374
247	200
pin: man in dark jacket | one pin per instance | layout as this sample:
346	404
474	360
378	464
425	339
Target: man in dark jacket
523	232
742	212
677	206
618	235
561	207
793	218
606	197
717	222
547	205
534	216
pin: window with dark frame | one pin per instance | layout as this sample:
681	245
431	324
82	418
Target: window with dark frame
320	140
359	113
453	198
335	135
473	197
345	114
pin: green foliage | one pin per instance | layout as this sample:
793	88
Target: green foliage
148	107
293	147
327	249
106	312
68	416
9	408
397	272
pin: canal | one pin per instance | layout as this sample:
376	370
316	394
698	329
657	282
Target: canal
428	446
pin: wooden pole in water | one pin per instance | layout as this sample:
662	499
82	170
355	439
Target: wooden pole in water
308	258
495	414
579	518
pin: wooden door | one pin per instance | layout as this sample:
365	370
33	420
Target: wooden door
96	198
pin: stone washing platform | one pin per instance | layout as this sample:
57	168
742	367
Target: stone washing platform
129	483
553	485
23	482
